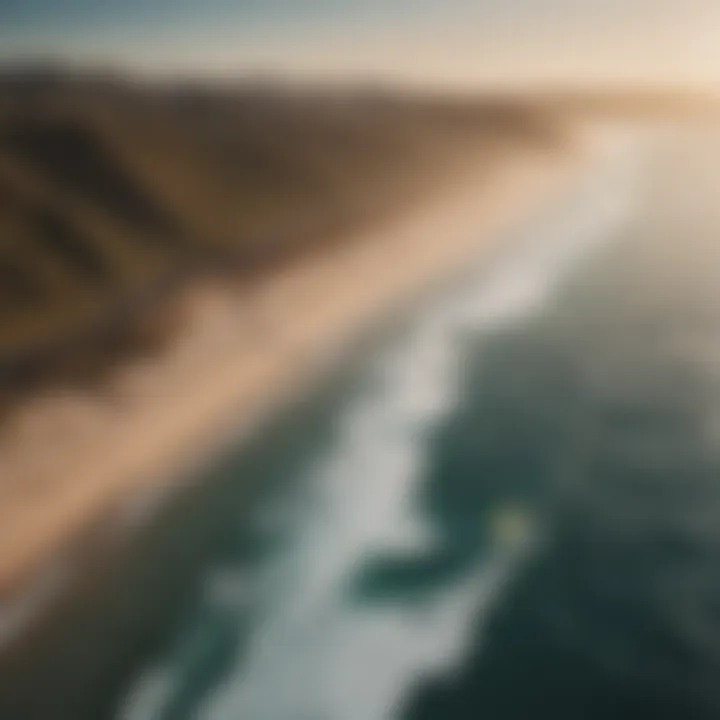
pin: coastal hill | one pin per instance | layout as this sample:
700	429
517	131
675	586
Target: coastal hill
114	193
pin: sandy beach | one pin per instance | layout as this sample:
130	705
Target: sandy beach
240	355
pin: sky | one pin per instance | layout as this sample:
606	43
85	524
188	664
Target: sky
458	42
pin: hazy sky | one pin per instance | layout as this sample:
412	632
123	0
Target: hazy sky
467	42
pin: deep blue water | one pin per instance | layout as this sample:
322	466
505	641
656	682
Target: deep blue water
508	505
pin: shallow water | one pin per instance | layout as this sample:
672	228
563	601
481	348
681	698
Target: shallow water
508	507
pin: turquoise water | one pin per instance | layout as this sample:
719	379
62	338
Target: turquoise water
372	582
506	506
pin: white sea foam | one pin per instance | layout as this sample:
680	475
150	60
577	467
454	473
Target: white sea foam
315	654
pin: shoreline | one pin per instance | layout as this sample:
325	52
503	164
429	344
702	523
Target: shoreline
177	426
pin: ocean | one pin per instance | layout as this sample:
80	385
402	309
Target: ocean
506	506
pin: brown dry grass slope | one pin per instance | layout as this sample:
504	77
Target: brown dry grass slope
112	193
